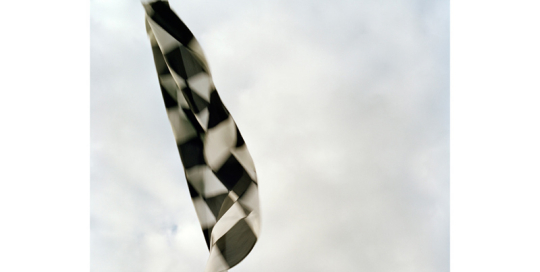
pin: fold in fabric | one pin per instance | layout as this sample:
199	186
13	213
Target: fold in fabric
219	170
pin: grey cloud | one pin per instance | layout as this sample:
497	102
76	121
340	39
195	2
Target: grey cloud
344	106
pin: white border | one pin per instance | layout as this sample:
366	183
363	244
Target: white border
44	145
495	136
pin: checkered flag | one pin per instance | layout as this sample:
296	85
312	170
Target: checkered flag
219	170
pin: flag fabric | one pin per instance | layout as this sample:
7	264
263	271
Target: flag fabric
218	167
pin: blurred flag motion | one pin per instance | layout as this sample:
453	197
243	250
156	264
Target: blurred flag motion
219	170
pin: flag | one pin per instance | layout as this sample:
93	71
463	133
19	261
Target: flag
218	167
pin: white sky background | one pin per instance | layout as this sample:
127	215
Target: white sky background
344	106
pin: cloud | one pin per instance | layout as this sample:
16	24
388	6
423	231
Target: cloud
344	108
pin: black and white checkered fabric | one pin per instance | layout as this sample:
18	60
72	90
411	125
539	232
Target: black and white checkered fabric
219	170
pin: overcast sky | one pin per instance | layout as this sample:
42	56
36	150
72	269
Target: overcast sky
344	106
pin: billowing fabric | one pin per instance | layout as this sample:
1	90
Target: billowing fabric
219	170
